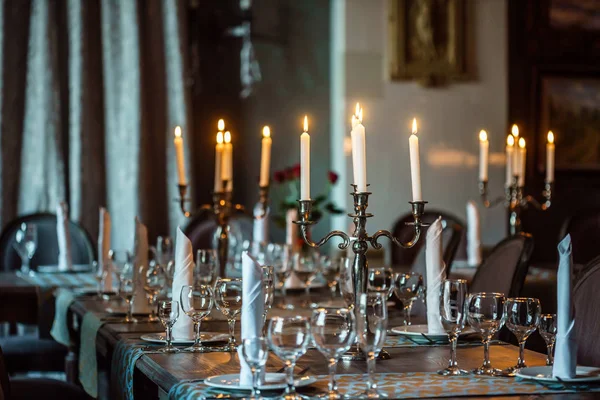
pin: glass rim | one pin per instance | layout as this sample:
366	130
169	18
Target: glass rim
290	318
522	299
488	294
321	309
458	280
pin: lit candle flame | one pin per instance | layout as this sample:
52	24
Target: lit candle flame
510	140
414	126
515	130
550	137
483	135
220	137
522	143
227	137
305	123
266	131
360	115
177	131
353	121
357	110
221	125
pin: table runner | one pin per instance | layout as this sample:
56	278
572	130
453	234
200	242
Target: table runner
121	370
61	280
88	364
60	328
400	386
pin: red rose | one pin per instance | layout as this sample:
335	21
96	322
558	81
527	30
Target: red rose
296	171
279	176
333	177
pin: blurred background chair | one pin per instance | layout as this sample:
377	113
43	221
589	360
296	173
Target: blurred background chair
201	229
584	229
586	298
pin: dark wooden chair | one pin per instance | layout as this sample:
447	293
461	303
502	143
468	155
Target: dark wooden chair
200	229
586	298
584	229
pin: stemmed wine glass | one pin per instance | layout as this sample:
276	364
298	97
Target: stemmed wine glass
127	284
100	275
255	352
289	338
196	302
280	257
453	298
547	329
485	313
380	279
522	318
347	283
206	266
333	331
371	328
408	288
25	244
164	250
155	282
330	268
306	267
168	313
228	300
267	279
120	259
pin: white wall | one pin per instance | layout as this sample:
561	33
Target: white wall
449	118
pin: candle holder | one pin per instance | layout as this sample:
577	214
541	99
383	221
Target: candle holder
515	201
360	242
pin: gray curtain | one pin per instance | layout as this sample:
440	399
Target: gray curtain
90	93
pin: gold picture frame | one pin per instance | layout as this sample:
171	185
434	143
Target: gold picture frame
428	41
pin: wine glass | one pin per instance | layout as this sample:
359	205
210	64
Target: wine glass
280	257
485	313
127	290
257	250
196	302
206	266
330	268
453	298
228	300
408	287
380	279
155	282
333	331
289	338
100	275
306	267
168	313
522	318
119	259
547	329
371	328
255	352
347	283
164	250
26	244
267	280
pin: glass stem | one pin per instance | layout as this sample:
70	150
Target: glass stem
405	317
231	331
255	376
371	371
130	309
332	370
169	337
197	342
550	359
486	352
307	289
409	311
521	361
453	364
153	299
25	266
290	389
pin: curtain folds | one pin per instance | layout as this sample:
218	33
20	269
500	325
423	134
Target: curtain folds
90	93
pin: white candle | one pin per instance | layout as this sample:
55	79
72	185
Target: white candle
415	164
265	157
359	153
305	162
219	163
510	149
227	166
516	167
484	150
522	160
550	158
178	140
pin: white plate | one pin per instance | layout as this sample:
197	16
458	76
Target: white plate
273	381
420	333
206	337
53	269
544	374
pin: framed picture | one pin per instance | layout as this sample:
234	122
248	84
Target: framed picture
427	40
570	108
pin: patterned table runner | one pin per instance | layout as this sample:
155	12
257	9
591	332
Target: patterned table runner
88	363
61	280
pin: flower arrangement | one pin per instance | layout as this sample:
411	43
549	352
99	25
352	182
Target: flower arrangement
288	189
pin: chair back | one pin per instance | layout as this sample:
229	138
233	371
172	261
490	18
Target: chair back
82	248
586	298
584	228
505	269
201	229
4	381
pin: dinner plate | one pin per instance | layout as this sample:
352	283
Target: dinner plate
544	374
420	333
206	337
273	381
53	269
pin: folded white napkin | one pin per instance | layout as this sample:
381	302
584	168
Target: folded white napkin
183	276
140	302
473	235
434	262
260	226
253	305
104	248
64	239
565	349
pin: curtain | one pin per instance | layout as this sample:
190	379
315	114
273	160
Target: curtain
90	93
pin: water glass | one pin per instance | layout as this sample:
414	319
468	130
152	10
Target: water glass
453	298
127	283
258	250
268	285
371	328
164	250
196	302
347	283
306	268
380	279
155	282
26	244
228	300
547	329
207	266
289	338
408	288
485	313
522	319
120	260
255	352
100	275
330	269
168	313
333	331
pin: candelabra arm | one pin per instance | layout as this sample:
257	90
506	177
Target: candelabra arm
304	208
487	203
547	193
418	209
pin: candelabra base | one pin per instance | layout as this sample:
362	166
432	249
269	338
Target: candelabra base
357	355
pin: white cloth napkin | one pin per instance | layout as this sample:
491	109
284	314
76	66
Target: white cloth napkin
104	248
183	276
434	262
260	225
64	239
140	302
253	305
473	235
565	350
